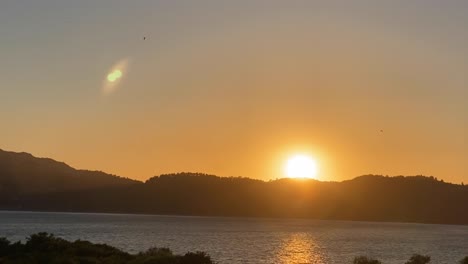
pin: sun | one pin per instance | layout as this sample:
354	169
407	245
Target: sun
301	166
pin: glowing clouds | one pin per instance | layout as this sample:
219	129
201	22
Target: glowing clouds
114	77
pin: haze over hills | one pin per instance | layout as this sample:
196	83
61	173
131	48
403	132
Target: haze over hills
29	183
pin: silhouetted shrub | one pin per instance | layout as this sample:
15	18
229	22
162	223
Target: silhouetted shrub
4	245
196	258
156	256
44	248
365	260
418	259
464	261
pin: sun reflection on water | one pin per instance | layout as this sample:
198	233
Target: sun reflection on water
300	248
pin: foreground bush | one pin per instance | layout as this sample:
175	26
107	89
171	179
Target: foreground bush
415	259
464	261
365	260
44	248
418	259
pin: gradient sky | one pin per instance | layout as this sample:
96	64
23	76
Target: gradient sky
235	87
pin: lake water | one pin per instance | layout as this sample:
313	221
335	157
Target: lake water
249	240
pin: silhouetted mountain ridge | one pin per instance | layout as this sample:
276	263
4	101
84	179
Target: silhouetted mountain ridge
367	198
22	173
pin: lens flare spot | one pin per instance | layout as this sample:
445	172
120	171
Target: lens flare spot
114	76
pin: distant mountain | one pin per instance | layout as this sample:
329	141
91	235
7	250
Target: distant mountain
24	174
46	185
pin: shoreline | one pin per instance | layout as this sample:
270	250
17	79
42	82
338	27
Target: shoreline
230	217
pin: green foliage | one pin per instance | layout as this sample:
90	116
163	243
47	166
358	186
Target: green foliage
365	260
418	259
464	260
44	248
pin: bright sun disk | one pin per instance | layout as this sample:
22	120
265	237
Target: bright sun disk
301	166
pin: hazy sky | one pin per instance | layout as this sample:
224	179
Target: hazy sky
235	87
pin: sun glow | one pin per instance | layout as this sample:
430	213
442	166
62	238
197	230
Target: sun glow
301	166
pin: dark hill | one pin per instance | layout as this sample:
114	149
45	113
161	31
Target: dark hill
24	174
366	198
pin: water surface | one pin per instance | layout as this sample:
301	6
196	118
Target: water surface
249	240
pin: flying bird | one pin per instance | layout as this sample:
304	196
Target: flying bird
144	38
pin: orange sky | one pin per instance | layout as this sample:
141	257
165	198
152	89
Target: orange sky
235	89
